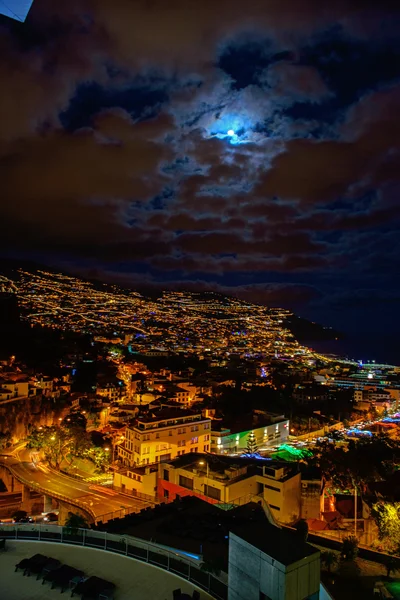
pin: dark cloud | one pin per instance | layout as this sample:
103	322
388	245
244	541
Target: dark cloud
253	150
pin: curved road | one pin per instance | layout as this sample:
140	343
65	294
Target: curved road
98	500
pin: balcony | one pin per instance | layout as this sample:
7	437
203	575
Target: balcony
125	560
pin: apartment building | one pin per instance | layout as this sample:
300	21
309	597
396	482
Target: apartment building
111	391
14	389
228	481
226	440
163	435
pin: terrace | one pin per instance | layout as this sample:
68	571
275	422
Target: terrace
138	569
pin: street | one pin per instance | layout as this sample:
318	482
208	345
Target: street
97	501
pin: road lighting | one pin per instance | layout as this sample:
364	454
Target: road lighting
202	463
107	449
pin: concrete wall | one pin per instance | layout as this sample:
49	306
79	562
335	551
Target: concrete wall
285	500
252	572
143	484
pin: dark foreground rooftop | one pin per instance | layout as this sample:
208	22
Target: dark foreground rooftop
195	526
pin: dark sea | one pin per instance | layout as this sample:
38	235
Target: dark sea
365	347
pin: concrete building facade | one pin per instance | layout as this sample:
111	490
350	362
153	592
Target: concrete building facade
267	572
164	435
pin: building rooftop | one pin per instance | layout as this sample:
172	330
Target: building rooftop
167	414
196	526
280	543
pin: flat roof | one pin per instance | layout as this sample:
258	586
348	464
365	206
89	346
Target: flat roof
196	526
166	414
280	543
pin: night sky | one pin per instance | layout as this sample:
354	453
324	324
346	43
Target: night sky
246	147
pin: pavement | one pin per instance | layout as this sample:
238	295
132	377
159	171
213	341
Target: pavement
97	499
133	579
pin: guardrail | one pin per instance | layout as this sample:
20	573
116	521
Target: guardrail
38	488
179	563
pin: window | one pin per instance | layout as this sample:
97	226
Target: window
274	507
186	482
206	425
206	447
194	428
157	436
166	474
181	443
206	437
195	449
271	487
194	440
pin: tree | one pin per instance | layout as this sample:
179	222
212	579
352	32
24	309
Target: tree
349	550
74	522
99	456
387	517
329	559
55	442
75	424
392	565
251	447
75	420
302	529
364	460
5	439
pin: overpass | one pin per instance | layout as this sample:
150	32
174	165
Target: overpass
94	501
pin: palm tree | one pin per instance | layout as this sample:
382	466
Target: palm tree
302	529
329	559
392	564
349	549
74	522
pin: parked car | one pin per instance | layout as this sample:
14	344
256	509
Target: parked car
51	517
22	520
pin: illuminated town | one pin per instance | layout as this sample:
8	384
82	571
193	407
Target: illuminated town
178	321
199	300
133	403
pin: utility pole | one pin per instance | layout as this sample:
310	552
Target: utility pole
355	510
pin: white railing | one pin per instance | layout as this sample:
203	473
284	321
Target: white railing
180	563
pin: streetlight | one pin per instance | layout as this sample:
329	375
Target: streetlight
107	449
202	463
